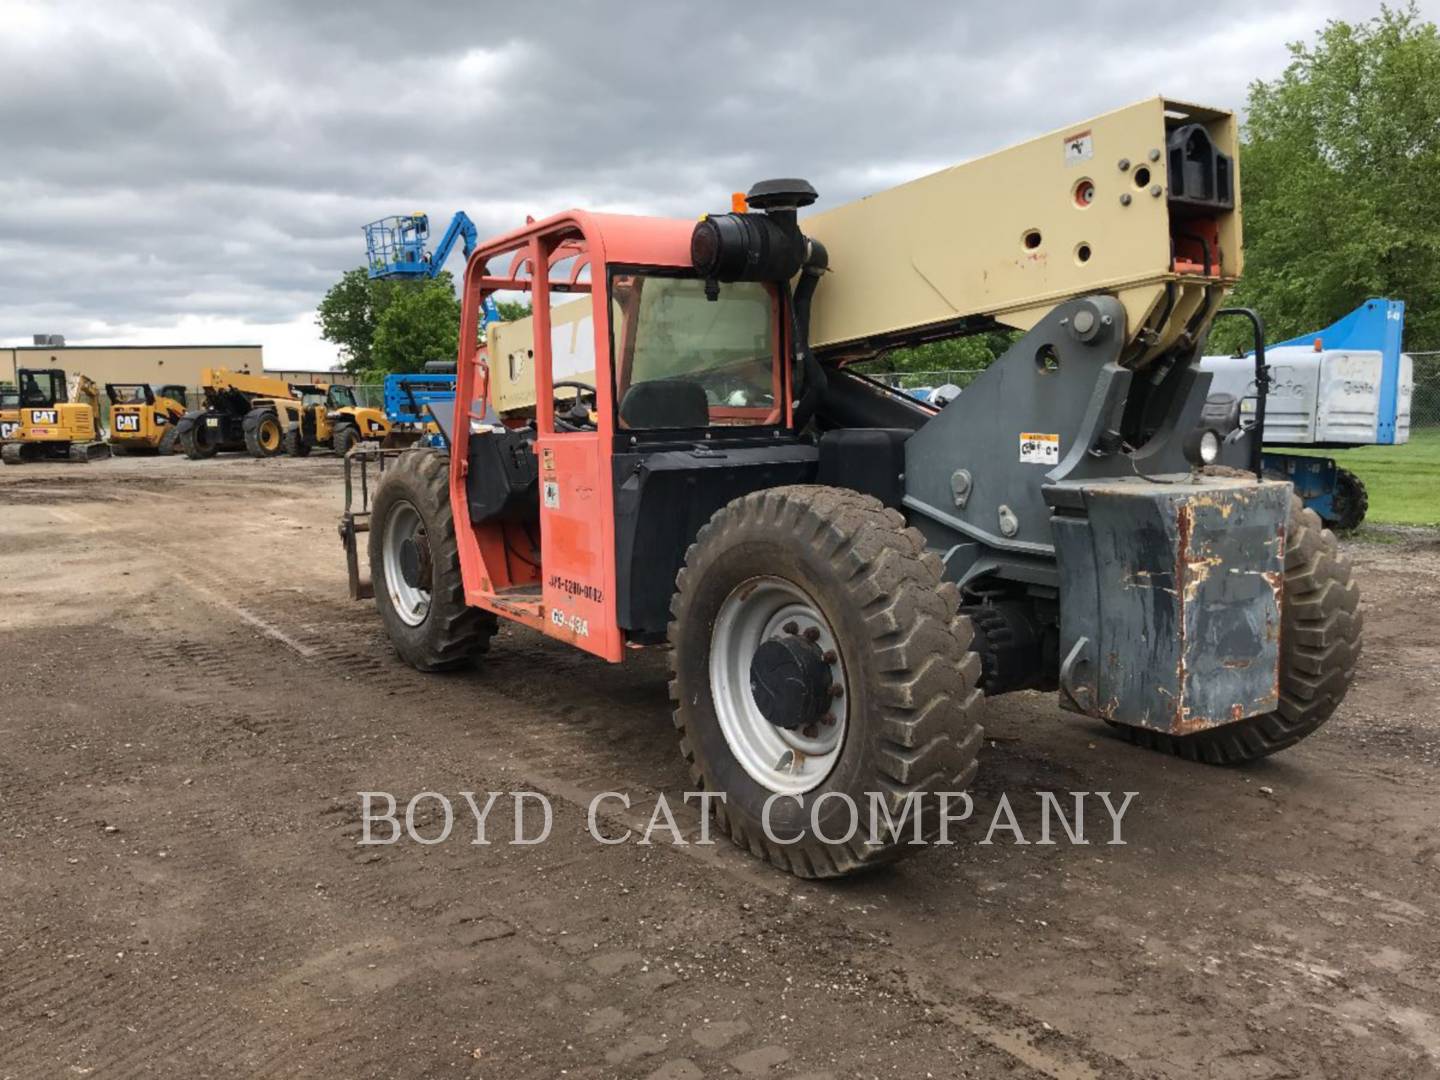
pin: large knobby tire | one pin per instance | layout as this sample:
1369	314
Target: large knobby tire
264	437
445	633
891	629
294	443
1350	503
345	437
170	441
12	454
1320	637
195	438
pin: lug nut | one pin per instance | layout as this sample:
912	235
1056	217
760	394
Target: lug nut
836	690
828	720
829	656
792	628
811	634
810	731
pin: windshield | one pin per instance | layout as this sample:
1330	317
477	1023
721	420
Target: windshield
341	397
687	361
39	389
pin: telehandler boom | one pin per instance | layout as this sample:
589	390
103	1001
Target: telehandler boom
671	451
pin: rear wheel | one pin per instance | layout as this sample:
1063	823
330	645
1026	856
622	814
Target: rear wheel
1320	638
12	454
345	437
818	663
170	441
263	435
415	567
1350	502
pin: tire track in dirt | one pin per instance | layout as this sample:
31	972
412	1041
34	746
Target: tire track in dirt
545	766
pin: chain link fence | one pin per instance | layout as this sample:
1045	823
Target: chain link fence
1425	404
920	383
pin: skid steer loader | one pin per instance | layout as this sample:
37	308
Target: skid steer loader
59	420
678	455
145	418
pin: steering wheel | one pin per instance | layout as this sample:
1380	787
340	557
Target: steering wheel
577	416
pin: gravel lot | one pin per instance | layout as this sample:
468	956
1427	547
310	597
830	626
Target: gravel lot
189	706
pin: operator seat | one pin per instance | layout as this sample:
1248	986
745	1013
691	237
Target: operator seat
665	403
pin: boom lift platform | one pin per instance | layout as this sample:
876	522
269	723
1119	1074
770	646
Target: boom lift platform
670	451
398	246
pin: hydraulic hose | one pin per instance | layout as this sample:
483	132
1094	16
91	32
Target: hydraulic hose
817	260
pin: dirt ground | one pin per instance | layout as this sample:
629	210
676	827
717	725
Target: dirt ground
189	707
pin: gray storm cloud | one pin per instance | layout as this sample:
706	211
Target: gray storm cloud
209	164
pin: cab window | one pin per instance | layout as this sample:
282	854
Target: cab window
686	361
40	389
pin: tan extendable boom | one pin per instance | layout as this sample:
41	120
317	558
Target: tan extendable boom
1008	236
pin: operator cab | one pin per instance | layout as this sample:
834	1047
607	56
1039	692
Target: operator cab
604	428
42	389
130	394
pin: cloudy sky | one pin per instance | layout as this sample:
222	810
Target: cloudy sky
198	172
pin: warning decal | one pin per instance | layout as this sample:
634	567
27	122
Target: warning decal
1079	147
1038	448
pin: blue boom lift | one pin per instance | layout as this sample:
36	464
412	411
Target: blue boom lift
395	248
415	399
1347	385
396	245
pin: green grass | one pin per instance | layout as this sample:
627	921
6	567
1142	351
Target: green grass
1403	481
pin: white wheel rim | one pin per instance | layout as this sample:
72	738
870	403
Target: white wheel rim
781	760
412	604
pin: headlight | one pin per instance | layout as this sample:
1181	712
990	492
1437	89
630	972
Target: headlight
1209	447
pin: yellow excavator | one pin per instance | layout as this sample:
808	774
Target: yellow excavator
59	419
9	412
144	418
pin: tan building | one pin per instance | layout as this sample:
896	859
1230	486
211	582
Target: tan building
341	378
176	364
158	364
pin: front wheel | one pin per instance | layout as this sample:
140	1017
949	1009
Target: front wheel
294	443
1350	502
1320	638
263	435
345	437
820	668
415	567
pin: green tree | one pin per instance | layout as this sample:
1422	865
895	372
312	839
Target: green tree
351	311
417	325
1340	178
918	364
